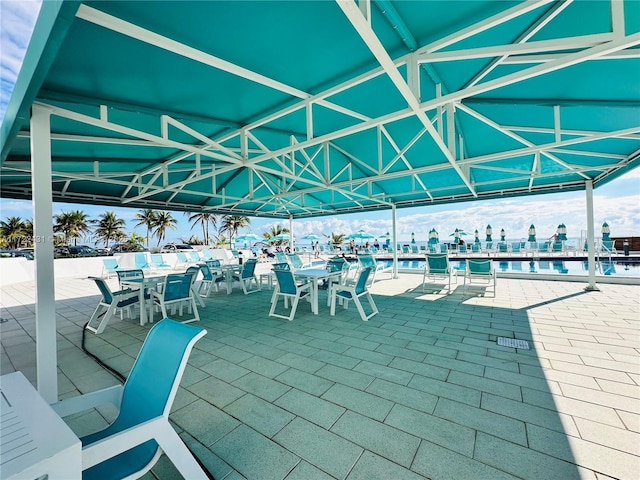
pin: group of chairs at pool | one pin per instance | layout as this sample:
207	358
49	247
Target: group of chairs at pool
343	280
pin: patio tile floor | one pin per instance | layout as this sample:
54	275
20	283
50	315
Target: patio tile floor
422	390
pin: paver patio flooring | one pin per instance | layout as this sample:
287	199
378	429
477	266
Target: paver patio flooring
422	390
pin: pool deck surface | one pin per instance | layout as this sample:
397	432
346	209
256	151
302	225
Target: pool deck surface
422	390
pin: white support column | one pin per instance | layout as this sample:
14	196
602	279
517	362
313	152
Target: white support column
394	241
291	233
590	240
42	201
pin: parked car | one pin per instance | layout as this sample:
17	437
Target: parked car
176	247
83	251
17	253
103	251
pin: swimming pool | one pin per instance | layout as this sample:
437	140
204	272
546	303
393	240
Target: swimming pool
614	268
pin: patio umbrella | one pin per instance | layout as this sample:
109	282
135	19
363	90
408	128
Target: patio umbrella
359	235
387	239
311	236
477	240
606	231
562	232
247	238
433	237
488	232
283	237
413	237
532	234
502	235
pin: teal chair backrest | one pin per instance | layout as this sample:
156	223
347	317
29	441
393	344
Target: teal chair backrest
110	264
366	261
479	267
438	263
249	268
194	256
206	254
148	393
141	260
336	264
182	257
129	274
281	257
213	264
502	247
157	259
177	286
284	277
193	270
557	246
361	284
294	260
107	297
443	248
515	247
207	276
475	248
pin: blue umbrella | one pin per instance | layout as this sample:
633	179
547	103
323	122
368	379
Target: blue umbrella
532	234
311	236
606	231
488	232
502	235
283	237
562	232
359	235
477	240
433	237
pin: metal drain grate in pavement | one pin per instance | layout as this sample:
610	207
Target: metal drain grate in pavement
513	343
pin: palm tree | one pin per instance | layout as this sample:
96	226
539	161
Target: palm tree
164	220
205	219
336	239
232	223
12	231
147	217
72	224
274	231
109	227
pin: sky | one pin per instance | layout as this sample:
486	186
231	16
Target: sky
617	203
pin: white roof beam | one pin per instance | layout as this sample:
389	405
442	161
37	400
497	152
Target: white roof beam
377	49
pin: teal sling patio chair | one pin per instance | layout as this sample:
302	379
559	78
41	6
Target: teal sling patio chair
481	271
288	289
141	261
195	258
367	261
158	262
557	247
437	267
355	292
177	292
443	248
195	272
475	248
129	275
216	272
414	249
110	303
109	265
281	257
247	274
462	249
296	262
181	260
515	247
543	247
133	443
503	248
206	254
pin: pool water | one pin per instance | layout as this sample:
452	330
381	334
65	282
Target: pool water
562	267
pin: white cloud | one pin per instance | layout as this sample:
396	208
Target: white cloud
17	18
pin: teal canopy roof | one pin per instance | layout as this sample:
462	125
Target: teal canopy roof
305	108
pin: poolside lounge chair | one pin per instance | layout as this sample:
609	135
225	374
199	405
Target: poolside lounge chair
177	291
462	249
281	257
158	262
437	267
288	289
377	268
414	249
141	261
109	305
247	274
481	271
181	260
195	258
354	292
475	248
557	247
133	443
109	265
543	247
515	247
503	247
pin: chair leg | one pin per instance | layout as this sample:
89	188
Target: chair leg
332	312
363	315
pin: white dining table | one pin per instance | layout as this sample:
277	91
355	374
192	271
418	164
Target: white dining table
315	275
142	284
36	443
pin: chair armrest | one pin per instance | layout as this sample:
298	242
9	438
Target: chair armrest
120	442
84	402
